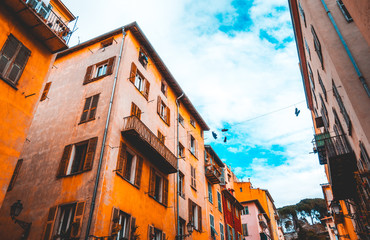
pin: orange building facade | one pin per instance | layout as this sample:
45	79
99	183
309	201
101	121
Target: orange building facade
29	35
333	46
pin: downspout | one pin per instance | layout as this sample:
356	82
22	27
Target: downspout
178	169
92	207
359	74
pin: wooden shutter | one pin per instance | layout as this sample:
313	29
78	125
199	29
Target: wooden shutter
90	153
195	148
110	65
8	51
199	218
133	73
150	232
19	64
88	75
115	227
168	113
77	220
121	162
159	102
139	167
94	104
64	161
165	191
133	109
85	112
152	182
15	174
146	89
45	92
138	113
133	228
190	210
49	223
164	236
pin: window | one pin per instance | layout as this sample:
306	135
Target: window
195	215
219	201
210	195
181	120
89	110
13	58
158	187
123	225
245	229
344	10
364	158
181	184
222	237
317	46
163	111
193	177
129	165
314	96
135	111
15	174
182	227
193	146
164	87
322	86
192	121
237	213
245	210
228	205
64	221
241	189
181	151
77	157
161	137
99	70
307	48
342	109
239	236
156	234
324	113
106	43
229	232
302	13
143	59
141	84
212	225
310	76
45	92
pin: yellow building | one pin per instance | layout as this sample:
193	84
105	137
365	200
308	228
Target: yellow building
30	32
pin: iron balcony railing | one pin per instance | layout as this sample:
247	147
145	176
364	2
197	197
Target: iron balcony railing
213	173
134	126
331	146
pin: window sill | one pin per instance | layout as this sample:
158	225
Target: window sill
193	154
163	120
95	79
157	201
146	98
136	186
183	196
9	83
73	174
86	121
193	188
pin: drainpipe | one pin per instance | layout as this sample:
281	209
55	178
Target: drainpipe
359	74
178	170
104	140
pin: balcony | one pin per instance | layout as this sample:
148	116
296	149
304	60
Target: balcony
148	143
45	24
341	161
213	174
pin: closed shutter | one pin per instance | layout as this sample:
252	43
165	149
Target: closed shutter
90	154
138	113
15	174
165	191
152	182
49	223
150	232
77	220
159	103
133	109
19	64
115	227
146	89
85	112
168	115
110	65
133	228
190	211
199	218
7	52
133	73
121	162
139	167
94	104
64	161
88	75
45	92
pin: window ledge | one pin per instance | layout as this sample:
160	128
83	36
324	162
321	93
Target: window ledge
134	185
95	79
163	120
146	98
193	154
157	201
73	174
86	121
9	83
193	188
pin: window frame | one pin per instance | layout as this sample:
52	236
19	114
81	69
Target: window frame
163	185
317	46
143	58
181	184
195	215
222	234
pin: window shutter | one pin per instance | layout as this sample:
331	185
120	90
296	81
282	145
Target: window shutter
200	218
90	154
164	236
85	112
121	159
110	65
195	148
138	113
77	220
190	209
133	109
150	232
165	191
133	73
64	162
19	64
115	227
88	75
146	89
15	174
159	101
7	52
168	115
139	168
45	92
133	228
94	104
152	182
49	223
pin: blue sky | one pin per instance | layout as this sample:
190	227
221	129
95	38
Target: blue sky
242	57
